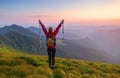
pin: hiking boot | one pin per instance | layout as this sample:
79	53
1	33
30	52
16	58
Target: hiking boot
52	66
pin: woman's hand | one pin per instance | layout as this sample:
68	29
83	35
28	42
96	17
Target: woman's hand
40	21
62	21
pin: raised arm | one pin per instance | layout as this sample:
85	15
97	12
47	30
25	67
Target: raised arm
43	27
58	27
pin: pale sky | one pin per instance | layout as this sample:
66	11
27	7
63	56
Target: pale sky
51	12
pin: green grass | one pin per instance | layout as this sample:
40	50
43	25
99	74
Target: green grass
15	64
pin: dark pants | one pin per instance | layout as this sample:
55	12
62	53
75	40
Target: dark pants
51	55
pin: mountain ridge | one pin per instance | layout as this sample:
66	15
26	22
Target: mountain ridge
18	29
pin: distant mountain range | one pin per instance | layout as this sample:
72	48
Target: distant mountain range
27	40
20	38
18	29
33	29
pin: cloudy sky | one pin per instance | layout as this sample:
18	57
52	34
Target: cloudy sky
75	12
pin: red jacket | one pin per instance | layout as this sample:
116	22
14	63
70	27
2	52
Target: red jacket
54	33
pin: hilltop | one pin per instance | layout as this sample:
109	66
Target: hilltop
15	64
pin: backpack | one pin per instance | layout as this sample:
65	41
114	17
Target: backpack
51	42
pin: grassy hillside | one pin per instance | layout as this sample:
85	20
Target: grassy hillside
14	64
21	42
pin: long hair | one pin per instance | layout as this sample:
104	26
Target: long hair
51	32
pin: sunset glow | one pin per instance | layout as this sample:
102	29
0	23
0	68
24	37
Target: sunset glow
27	12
